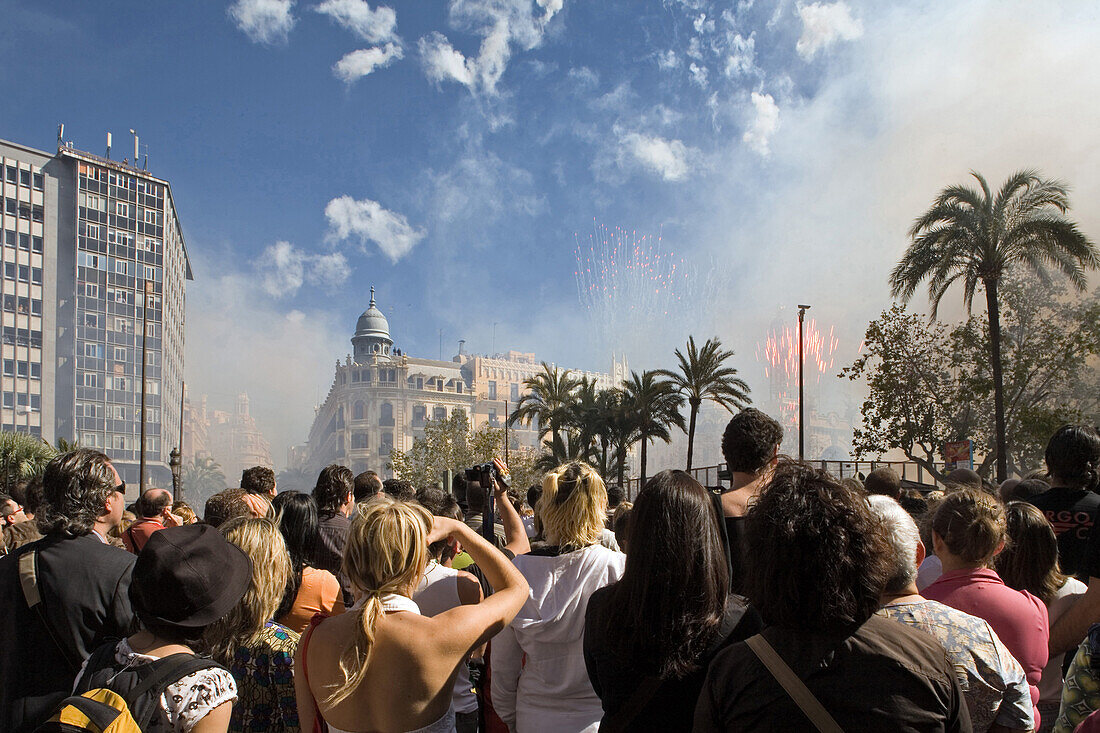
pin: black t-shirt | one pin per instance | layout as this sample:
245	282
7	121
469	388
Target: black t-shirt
885	676
1071	512
615	678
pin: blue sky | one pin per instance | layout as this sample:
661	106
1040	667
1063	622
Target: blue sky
453	154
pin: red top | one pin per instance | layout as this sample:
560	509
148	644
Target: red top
139	532
1019	618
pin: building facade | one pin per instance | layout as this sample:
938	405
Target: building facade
94	278
231	438
381	399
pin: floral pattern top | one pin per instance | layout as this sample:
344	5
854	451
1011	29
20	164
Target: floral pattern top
992	681
1081	694
265	682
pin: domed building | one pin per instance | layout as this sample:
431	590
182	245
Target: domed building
381	398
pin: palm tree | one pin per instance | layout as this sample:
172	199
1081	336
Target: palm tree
22	456
202	478
297	479
547	402
584	415
702	377
66	446
656	404
567	447
978	238
623	430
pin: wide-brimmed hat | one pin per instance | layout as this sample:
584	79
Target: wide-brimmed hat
188	576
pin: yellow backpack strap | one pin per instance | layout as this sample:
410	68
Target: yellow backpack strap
100	710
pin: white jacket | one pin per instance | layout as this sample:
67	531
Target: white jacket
550	691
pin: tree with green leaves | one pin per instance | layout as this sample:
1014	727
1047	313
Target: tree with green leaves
200	479
656	403
978	238
930	383
296	479
703	376
450	444
22	457
548	400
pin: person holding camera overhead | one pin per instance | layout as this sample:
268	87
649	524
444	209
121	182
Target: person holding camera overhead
539	680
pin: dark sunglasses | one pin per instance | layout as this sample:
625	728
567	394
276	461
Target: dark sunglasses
121	488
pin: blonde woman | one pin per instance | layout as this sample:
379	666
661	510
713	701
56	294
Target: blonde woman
258	651
539	680
381	665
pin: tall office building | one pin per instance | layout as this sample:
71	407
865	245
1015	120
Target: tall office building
94	275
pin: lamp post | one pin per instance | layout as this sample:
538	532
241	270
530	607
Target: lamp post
175	464
801	385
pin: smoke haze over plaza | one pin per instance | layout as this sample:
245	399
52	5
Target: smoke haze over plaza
456	155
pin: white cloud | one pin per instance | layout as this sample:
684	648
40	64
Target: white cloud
372	25
667	59
825	24
742	55
358	64
501	24
264	21
698	74
369	221
669	158
284	268
703	24
764	124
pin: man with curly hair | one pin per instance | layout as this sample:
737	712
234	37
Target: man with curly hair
74	589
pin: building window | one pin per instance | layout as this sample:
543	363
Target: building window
119	412
492	389
36	244
122	208
358	411
120	353
439	413
9	368
120	383
420	415
515	392
386	418
93	351
12	172
91	290
358	441
91	379
91	320
37	181
152	386
493	422
387	444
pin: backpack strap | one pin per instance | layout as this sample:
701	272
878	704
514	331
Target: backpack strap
99	714
32	594
810	706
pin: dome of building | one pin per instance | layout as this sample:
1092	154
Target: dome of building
372	322
372	334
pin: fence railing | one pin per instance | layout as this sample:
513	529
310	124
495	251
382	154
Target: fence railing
908	470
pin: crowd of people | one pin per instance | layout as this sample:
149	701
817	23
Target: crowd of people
788	600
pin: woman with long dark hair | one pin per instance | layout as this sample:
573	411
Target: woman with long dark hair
309	590
1029	562
648	638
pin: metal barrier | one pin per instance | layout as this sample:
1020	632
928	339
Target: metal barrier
908	470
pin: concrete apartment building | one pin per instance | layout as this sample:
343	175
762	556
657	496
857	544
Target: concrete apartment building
380	398
93	250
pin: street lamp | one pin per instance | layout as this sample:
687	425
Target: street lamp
801	386
175	464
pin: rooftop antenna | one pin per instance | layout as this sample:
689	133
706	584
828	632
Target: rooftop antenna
60	133
108	146
136	155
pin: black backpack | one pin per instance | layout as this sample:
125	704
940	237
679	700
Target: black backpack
140	685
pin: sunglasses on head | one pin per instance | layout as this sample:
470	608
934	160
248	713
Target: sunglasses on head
121	488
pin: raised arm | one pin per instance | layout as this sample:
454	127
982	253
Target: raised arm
463	628
515	534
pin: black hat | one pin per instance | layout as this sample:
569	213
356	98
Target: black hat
188	576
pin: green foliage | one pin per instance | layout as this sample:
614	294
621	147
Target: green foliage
200	479
929	383
548	402
655	405
703	376
978	238
296	479
450	444
22	456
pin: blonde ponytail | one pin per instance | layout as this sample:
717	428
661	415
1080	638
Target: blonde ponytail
386	552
